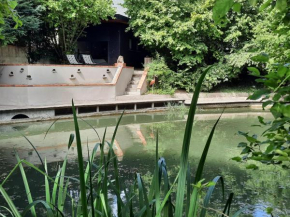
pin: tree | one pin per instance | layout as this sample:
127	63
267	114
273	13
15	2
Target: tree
7	10
30	34
184	33
69	18
273	71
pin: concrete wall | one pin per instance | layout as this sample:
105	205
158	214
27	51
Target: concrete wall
44	75
12	54
123	81
48	89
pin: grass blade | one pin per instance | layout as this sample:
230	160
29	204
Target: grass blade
50	127
188	189
34	150
91	182
209	193
92	128
228	204
47	188
32	205
158	180
116	171
8	210
26	185
200	167
10	203
185	147
55	186
194	196
60	200
81	164
143	193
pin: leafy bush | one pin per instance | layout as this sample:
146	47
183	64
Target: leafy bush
163	76
183	32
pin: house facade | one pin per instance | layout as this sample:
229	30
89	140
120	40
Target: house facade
109	40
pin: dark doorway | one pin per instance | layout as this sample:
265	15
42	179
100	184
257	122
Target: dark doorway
99	50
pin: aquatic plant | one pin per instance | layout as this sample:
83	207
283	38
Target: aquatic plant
102	176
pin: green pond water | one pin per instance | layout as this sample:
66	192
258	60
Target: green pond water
135	148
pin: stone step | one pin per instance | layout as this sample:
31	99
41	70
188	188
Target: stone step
131	89
138	73
134	82
137	76
133	93
134	86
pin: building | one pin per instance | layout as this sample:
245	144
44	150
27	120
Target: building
109	40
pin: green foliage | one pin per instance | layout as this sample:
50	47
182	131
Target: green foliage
7	10
32	35
30	17
270	42
273	146
163	76
69	18
185	35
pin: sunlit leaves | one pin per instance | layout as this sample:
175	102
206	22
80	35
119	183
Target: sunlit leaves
261	58
281	5
221	8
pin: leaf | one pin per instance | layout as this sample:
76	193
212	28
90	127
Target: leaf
253	2
282	71
185	147
251	139
284	154
242	144
281	5
281	158
276	97
12	4
252	167
265	5
265	104
221	8
269	210
246	150
70	141
286	111
237	7
263	58
261	120
238	159
258	94
255	71
208	195
81	164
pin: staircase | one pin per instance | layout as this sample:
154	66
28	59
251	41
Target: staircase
132	86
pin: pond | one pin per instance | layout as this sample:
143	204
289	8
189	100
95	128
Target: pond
135	148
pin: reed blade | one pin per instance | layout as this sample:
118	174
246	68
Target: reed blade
50	128
209	193
194	197
81	164
26	184
10	203
46	206
47	188
185	147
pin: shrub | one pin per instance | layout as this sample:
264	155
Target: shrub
164	77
